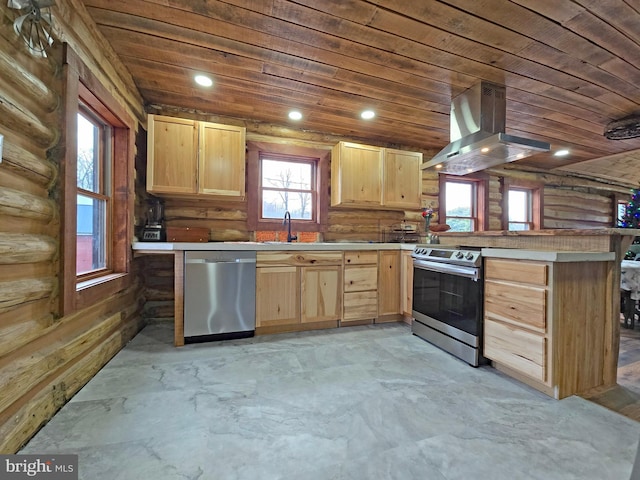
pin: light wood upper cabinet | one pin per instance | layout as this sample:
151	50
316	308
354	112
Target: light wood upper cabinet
356	175
402	179
374	177
172	155
186	157
221	162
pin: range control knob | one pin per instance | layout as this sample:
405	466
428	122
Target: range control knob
469	256
459	255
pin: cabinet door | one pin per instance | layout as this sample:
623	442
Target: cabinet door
172	155
356	175
406	275
221	160
388	282
277	296
402	179
321	294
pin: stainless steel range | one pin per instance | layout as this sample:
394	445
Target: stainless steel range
447	300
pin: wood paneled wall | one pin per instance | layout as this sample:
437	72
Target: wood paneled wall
44	358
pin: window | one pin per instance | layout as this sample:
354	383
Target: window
287	184
283	178
521	204
520	207
621	211
97	205
93	205
461	206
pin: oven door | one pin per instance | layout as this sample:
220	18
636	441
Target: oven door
449	294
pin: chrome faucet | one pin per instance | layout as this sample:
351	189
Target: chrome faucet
287	221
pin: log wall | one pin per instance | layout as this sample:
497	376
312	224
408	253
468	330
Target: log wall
45	358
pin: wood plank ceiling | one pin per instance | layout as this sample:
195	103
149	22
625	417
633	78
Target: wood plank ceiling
570	66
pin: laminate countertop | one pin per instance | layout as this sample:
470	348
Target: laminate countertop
160	247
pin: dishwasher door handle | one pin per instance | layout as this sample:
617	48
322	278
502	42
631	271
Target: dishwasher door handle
211	260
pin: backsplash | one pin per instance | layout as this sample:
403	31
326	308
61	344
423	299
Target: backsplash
281	236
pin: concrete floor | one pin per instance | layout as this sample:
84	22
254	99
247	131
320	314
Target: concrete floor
369	402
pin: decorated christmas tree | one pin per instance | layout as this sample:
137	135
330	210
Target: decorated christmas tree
631	217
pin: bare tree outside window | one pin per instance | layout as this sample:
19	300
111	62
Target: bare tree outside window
287	186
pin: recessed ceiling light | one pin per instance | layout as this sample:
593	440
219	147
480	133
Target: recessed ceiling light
561	153
295	115
484	149
203	80
368	114
439	166
520	155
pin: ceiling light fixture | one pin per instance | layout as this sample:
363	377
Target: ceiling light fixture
295	115
203	80
484	149
561	153
368	114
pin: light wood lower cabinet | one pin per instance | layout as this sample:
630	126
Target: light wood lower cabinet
295	288
406	288
389	286
544	322
360	286
320	292
277	296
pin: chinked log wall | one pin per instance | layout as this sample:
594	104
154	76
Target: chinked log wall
44	358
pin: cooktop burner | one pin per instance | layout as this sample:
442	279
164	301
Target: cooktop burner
454	256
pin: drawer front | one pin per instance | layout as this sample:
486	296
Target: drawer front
299	259
361	257
516	271
360	278
513	347
521	304
360	305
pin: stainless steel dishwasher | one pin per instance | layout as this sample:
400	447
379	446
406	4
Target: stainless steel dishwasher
219	295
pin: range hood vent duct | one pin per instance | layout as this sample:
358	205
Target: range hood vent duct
478	138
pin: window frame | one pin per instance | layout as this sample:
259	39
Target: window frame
480	202
82	86
315	167
537	200
257	149
617	200
104	190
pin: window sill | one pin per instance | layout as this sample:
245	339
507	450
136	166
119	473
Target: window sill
92	291
98	281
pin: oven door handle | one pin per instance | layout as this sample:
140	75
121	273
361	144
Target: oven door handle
459	270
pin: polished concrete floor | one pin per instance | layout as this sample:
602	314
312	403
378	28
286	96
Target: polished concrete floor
370	402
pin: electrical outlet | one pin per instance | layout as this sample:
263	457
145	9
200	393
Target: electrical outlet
1	138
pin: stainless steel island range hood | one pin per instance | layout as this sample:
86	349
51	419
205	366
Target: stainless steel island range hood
478	138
